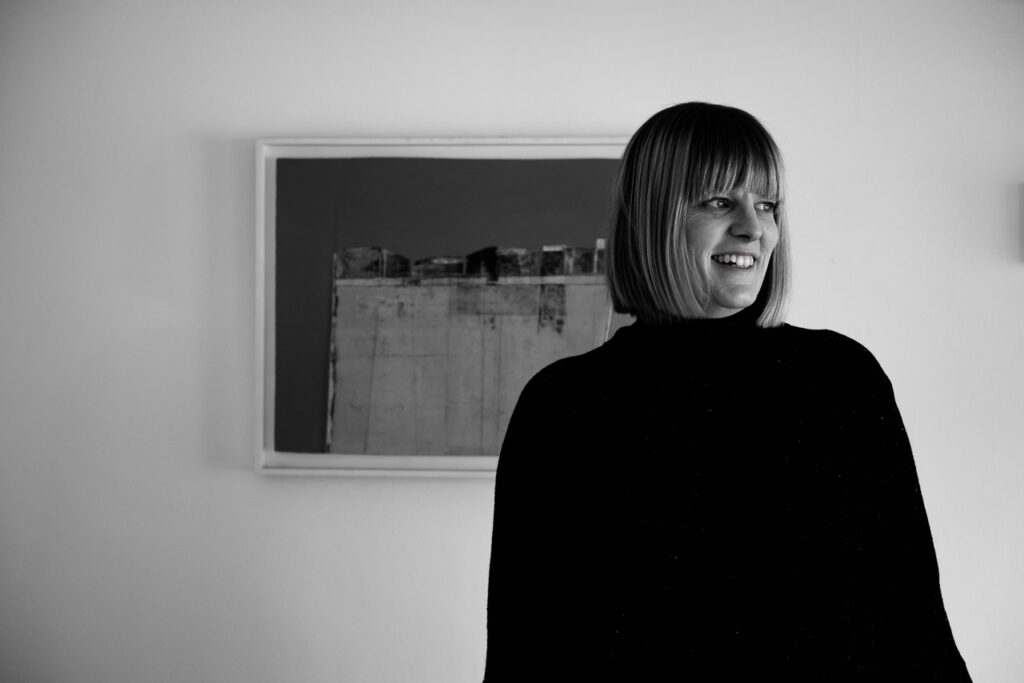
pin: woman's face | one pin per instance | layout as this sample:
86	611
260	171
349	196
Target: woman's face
732	236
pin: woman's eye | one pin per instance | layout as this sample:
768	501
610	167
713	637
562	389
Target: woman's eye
766	206
716	203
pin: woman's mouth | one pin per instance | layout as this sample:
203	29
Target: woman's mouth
742	261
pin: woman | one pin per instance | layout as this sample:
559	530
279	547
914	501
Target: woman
712	494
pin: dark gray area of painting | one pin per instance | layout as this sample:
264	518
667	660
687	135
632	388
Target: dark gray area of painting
418	208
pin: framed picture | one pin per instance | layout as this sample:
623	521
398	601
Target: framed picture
407	289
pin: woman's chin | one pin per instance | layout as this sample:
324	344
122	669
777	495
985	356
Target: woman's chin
726	304
721	311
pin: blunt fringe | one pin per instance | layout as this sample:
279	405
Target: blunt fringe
683	155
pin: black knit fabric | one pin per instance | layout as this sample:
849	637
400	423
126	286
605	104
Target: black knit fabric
713	501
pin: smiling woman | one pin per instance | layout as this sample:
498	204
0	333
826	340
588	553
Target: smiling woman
701	191
733	238
713	494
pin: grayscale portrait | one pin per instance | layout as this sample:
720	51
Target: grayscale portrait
492	341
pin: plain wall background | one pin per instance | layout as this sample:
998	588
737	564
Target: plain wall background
137	544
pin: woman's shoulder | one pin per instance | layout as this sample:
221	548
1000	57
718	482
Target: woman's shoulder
829	346
823	338
572	369
579	378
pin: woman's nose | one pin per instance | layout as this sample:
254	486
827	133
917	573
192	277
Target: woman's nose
746	223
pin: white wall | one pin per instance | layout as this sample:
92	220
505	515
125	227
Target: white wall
136	544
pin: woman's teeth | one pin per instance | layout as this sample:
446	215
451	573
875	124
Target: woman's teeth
737	260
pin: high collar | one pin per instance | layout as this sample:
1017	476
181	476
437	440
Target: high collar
685	332
743	321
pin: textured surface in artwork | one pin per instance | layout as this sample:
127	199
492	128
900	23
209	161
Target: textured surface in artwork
430	357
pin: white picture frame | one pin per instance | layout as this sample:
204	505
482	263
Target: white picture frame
269	152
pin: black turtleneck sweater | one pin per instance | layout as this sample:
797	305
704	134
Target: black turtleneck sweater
713	501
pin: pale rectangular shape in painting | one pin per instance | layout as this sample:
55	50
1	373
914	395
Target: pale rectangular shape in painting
449	357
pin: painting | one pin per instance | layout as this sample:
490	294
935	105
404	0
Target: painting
408	289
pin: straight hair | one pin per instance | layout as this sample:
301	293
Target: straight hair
683	155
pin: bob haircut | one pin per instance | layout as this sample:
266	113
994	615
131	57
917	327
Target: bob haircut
683	155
